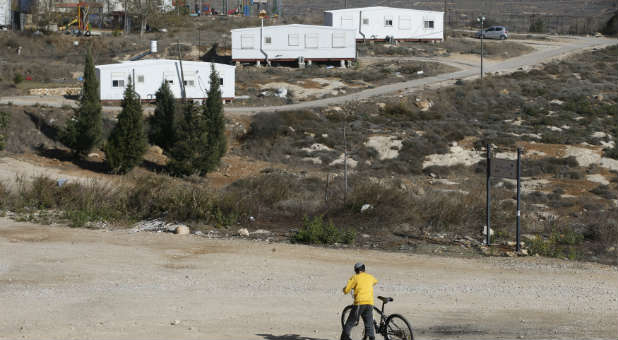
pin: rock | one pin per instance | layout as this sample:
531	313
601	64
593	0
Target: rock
598	35
599	97
523	252
365	236
156	149
93	155
510	254
511	243
556	102
58	91
504	92
282	92
423	104
175	323
382	106
485	231
261	232
529	237
366	207
291	129
243	232
611	249
182	229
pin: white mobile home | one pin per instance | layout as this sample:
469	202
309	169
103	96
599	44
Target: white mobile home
149	74
291	42
378	23
5	13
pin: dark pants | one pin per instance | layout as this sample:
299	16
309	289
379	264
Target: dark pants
366	311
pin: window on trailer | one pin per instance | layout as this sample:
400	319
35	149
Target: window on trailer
338	39
388	21
365	21
118	79
140	78
429	24
293	39
247	41
347	21
268	40
313	40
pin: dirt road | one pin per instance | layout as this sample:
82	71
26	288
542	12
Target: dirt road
57	282
545	52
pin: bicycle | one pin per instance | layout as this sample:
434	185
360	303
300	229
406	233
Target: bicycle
391	327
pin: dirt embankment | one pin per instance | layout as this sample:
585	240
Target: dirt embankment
57	282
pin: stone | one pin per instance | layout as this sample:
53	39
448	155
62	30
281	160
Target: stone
556	102
261	232
504	92
175	323
423	104
382	106
93	155
510	254
243	232
366	207
182	229
485	231
156	150
523	252
365	236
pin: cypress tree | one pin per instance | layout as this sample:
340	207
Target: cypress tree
84	130
163	121
191	145
127	143
215	123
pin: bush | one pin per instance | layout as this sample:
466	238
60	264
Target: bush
4	124
18	78
317	231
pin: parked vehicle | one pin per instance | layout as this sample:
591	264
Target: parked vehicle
493	32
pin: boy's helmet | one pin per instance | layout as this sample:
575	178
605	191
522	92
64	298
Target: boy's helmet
359	267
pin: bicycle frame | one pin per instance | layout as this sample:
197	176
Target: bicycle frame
380	327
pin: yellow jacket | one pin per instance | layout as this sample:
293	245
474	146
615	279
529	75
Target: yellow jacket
362	283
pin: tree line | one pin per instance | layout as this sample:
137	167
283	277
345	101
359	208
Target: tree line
194	141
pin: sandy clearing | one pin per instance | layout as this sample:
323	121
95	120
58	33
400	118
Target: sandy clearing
57	282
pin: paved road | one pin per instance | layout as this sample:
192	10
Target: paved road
544	53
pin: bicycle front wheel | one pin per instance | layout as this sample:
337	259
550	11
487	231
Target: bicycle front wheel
398	328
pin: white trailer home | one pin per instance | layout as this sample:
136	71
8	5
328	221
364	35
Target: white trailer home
381	23
5	14
149	74
293	43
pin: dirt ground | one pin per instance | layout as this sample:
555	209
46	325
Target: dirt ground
57	282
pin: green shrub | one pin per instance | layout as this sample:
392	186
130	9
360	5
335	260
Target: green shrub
18	78
4	124
317	231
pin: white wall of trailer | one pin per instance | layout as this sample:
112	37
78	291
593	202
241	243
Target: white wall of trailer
5	13
380	22
148	75
289	42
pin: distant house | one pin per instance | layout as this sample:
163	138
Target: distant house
149	74
5	13
292	42
380	23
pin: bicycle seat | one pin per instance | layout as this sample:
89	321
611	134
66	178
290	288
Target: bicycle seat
385	299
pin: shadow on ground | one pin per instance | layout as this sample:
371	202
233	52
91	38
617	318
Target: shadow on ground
287	337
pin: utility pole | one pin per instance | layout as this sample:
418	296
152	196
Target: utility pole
482	21
345	163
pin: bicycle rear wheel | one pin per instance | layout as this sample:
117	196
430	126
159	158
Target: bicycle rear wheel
398	328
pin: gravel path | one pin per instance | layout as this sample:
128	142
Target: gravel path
544	52
58	282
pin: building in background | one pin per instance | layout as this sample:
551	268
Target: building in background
383	23
303	43
148	75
